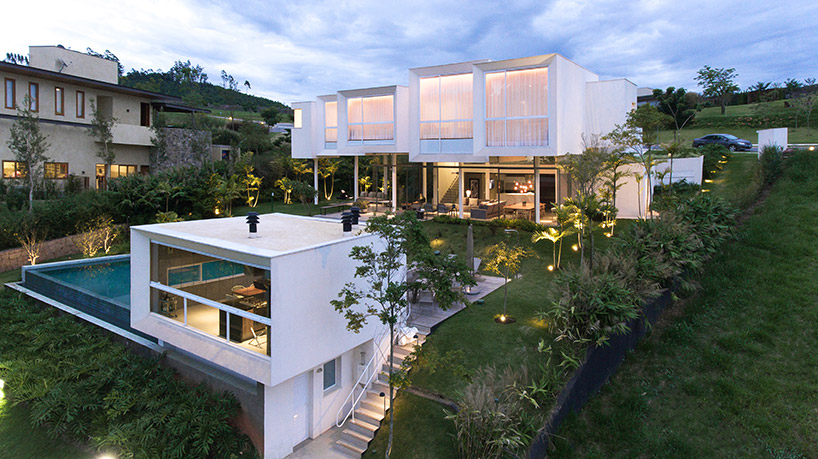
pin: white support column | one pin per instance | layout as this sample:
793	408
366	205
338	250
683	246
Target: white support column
394	182
537	189
355	175
315	179
425	183
435	182
460	190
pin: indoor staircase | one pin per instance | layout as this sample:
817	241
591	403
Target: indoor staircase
450	196
372	409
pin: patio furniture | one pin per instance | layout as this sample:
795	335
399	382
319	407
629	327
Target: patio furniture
488	210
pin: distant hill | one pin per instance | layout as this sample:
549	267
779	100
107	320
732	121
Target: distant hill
198	93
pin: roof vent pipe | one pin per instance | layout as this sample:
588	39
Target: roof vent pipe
356	214
346	220
252	220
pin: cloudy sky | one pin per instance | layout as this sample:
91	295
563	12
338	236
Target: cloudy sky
295	50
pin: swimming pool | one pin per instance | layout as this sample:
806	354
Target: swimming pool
100	287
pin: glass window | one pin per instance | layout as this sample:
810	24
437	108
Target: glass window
80	104
371	119
14	169
330	374
59	101
517	108
330	121
11	93
119	170
55	170
297	121
34	97
446	107
204	292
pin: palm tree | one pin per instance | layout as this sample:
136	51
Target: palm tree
554	235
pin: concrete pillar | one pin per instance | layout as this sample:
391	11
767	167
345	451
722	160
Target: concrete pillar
435	181
355	175
315	179
394	182
537	189
425	180
460	190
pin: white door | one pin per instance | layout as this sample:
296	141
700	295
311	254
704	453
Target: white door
301	408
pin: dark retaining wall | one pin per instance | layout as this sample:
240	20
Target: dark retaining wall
599	365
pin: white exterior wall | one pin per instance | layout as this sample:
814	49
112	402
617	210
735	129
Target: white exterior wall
305	139
776	137
631	199
607	104
400	116
568	88
688	169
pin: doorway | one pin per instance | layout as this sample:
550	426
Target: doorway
301	408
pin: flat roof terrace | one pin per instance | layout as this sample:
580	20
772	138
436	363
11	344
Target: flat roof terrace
277	233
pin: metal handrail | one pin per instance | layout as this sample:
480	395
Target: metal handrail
364	385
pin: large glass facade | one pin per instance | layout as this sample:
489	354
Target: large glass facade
371	120
446	114
330	125
221	298
517	108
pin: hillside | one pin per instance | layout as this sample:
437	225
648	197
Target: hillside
198	93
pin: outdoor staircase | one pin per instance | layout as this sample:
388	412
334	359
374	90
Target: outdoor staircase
372	409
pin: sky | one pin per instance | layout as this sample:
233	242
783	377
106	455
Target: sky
296	50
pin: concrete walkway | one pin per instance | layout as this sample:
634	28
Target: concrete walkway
429	316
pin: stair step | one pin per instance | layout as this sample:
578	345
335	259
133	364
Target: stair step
358	436
379	386
363	412
376	406
351	447
364	426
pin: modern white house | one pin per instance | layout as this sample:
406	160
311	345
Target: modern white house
259	310
62	85
482	138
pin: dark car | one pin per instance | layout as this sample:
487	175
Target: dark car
732	142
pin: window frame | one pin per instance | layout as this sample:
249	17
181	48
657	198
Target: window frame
22	171
327	127
505	118
59	101
119	172
13	104
34	102
80	111
336	365
440	120
56	164
363	140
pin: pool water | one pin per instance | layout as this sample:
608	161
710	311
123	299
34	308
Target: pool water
109	280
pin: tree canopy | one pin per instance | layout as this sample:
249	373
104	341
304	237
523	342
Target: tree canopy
718	83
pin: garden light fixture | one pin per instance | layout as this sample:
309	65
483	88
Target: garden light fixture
252	220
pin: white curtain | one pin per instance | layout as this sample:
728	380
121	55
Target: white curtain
371	118
517	108
446	107
330	121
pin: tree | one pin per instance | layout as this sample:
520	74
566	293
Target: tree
29	146
505	260
402	240
804	104
270	115
718	83
758	89
305	194
102	130
326	170
554	235
674	103
286	185
791	85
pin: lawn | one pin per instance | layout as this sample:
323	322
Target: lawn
19	440
734	376
735	181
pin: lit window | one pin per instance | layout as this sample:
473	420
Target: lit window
330	122
297	123
80	104
118	170
446	113
14	169
59	101
517	108
11	93
371	118
34	97
330	374
55	170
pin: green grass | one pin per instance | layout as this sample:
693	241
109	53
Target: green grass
238	114
737	181
735	375
421	431
19	440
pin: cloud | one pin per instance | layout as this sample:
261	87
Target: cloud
292	51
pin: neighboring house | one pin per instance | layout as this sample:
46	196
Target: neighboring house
468	134
645	96
281	128
284	351
62	84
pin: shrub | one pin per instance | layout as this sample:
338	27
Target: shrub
710	218
668	196
772	163
81	385
520	224
713	153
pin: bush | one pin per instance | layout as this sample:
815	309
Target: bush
668	196
713	153
81	385
772	163
519	224
710	218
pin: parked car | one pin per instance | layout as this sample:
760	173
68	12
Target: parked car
732	142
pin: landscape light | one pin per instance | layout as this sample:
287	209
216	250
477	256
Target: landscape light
812	148
502	317
575	247
550	267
